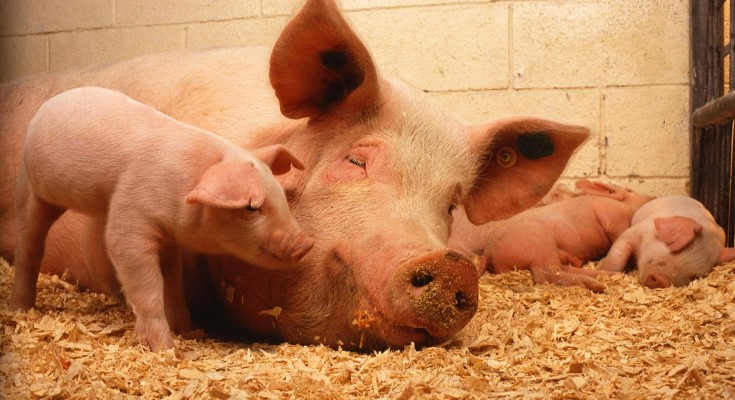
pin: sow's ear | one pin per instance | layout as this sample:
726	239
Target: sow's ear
229	185
319	66
677	231
520	159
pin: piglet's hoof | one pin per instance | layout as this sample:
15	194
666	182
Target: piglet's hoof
154	333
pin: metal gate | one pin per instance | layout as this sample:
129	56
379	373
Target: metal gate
713	110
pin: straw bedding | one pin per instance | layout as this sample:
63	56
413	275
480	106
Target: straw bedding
526	342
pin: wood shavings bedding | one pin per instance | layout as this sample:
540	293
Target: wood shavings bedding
526	342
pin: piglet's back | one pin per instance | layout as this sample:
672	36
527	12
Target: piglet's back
668	206
81	142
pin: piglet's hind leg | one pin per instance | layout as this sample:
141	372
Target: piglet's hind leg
98	262
34	218
134	253
567	276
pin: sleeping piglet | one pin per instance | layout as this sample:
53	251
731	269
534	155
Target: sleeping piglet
153	186
674	240
555	240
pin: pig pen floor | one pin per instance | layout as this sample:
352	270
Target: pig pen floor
525	342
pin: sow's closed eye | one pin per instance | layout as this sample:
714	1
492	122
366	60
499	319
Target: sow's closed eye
352	166
357	161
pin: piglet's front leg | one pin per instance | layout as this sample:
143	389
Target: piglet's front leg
134	251
618	256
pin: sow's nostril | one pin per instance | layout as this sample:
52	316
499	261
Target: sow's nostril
462	302
421	279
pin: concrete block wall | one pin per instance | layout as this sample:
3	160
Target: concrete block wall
619	67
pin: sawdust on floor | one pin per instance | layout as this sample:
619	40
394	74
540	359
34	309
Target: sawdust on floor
526	342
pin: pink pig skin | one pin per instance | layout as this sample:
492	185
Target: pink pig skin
553	241
151	184
674	240
383	167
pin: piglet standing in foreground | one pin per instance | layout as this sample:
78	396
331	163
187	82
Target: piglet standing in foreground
153	186
674	240
555	240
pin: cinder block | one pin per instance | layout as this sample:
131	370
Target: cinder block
440	48
575	106
290	7
246	32
651	44
18	17
656	186
22	55
647	131
146	12
574	44
281	7
368	4
80	49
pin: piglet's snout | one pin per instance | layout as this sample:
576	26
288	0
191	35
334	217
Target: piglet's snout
290	247
438	291
655	280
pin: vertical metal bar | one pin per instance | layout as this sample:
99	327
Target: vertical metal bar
730	227
716	29
730	45
699	10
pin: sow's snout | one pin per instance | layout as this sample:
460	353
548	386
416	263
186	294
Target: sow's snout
436	292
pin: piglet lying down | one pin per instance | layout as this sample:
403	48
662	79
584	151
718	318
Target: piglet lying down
152	185
553	241
674	240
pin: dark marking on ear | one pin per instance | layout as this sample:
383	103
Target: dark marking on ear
534	145
348	76
334	59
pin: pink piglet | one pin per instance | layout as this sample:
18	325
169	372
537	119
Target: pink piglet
153	186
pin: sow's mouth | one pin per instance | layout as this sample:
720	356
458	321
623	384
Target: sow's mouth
378	332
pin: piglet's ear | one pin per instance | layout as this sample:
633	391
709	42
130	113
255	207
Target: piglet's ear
600	189
727	255
278	158
520	159
229	185
677	231
319	67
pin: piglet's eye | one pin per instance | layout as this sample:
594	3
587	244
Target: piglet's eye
451	208
251	208
356	161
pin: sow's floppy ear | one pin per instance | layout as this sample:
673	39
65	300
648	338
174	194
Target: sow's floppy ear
520	159
319	66
229	184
